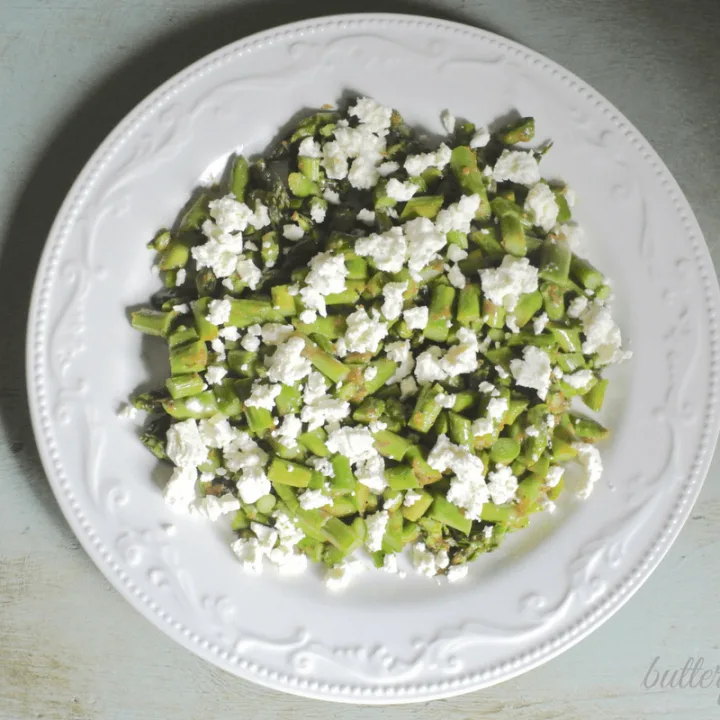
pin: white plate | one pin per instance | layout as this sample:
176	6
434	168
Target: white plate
384	640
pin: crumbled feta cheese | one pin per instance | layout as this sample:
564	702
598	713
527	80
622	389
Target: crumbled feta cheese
496	409
218	347
288	431
355	443
327	275
253	485
182	308
180	492
394	503
184	446
364	334
372	114
427	366
577	307
370	372
318	211
215	374
455	253
542	204
411	497
275	334
292	231
325	409
602	335
393	303
376	524
255	330
216	432
424	241
457	573
416	318
287	364
504	285
589	458
127	412
533	371
486	387
580	379
219	311
387	251
363	174
313	499
502	372
401	191
446	401
213	508
458	215
456	277
425	563
572	234
539	323
502	485
554	475
517	166
461	358
309	148
418	164
366	216
248	272
263	396
408	388
388	168
339	576
467	489
331	196
371	473
481	138
448	121
250	343
334	161
390	565
250	553
323	466
180	277
308	316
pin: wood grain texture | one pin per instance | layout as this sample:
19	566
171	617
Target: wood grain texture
70	646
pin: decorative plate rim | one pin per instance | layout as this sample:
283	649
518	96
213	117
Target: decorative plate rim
345	692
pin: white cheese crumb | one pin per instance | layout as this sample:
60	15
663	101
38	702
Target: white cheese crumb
416	318
309	148
504	285
602	335
366	216
408	388
331	196
184	446
180	491
446	401
215	374
502	485
579	379
427	366
589	457
219	311
572	234
388	251
577	307
401	191
371	473
554	475
292	231
318	211
539	323
248	272
287	364
364	334
455	253
275	334
459	215
313	499
370	372
182	308
533	371
263	396
253	485
394	503
376	525
517	166
250	343
481	138
393	303
411	497
462	357
418	164
388	168
180	277
456	277
541	203
288	431
213	508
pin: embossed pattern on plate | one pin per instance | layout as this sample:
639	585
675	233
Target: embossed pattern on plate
384	640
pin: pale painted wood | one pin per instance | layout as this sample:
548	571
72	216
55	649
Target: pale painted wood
70	646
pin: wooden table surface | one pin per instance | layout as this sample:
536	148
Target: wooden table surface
70	646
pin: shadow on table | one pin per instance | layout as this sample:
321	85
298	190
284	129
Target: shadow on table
71	146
